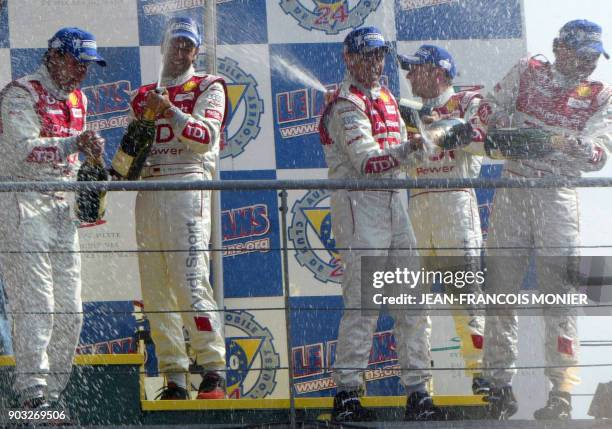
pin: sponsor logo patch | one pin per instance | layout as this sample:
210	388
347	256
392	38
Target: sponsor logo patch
578	104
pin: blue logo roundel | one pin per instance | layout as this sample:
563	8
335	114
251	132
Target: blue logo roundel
311	234
330	16
245	108
252	360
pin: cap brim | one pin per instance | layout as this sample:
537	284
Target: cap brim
98	60
409	60
91	57
186	35
594	48
370	48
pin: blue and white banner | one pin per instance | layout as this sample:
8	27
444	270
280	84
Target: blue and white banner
251	239
458	19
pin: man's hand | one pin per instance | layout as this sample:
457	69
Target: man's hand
498	120
91	144
431	118
416	142
158	102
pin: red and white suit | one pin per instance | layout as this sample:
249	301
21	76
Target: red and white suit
448	218
363	136
535	94
175	225
38	131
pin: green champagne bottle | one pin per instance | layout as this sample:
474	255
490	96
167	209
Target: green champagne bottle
135	147
91	204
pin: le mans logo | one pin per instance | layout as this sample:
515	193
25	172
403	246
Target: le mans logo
245	108
108	105
311	234
252	360
330	16
245	230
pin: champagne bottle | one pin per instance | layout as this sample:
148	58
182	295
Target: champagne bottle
519	143
450	133
135	147
411	111
90	203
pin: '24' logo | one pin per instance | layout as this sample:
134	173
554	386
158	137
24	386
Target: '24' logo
330	16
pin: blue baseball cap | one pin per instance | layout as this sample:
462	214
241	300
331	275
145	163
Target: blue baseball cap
583	36
430	54
182	26
364	39
80	43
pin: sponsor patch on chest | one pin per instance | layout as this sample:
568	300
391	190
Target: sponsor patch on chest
578	104
184	96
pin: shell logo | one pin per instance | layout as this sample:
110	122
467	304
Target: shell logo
452	104
189	86
583	91
73	99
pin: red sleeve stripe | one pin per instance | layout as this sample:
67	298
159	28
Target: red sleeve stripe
214	114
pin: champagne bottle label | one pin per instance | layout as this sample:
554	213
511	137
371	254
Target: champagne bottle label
135	147
122	162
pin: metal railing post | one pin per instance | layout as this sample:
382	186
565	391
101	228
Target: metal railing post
284	209
216	258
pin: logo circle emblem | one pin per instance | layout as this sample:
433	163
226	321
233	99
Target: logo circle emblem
244	106
330	16
252	360
311	235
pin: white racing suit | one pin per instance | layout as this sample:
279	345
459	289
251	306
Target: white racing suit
39	127
534	94
173	227
446	221
370	223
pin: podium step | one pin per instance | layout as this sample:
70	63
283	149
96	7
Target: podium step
109	390
259	411
303	403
